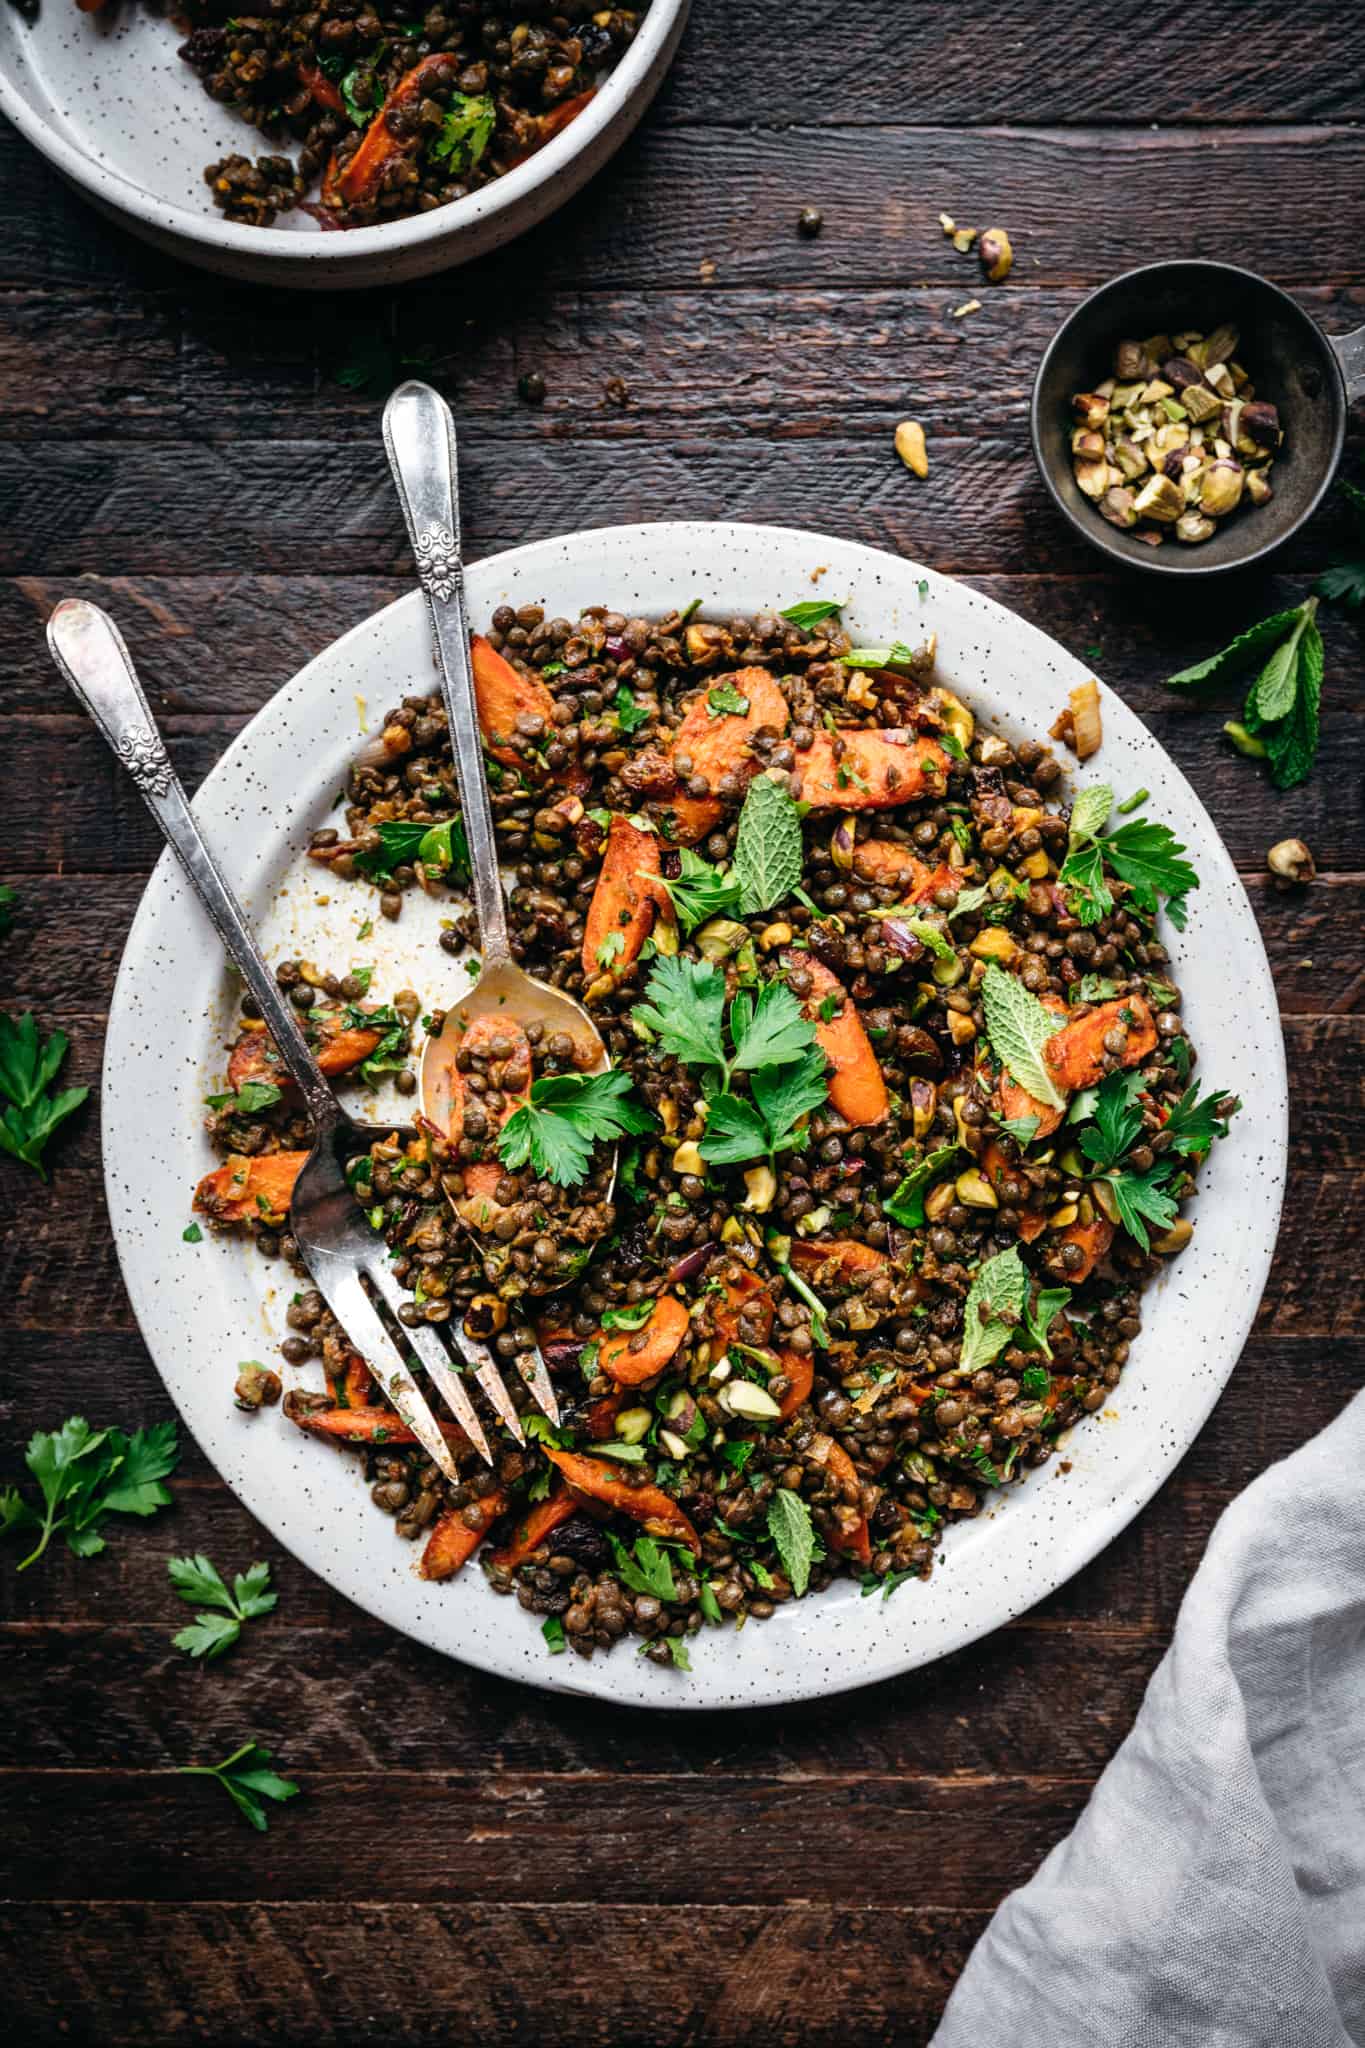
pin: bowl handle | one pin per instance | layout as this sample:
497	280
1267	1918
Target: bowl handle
1349	350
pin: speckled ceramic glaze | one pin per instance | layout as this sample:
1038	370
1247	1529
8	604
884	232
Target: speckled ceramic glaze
204	1307
107	100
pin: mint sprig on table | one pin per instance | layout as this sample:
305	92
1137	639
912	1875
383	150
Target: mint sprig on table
567	1116
28	1068
218	1624
1283	706
85	1475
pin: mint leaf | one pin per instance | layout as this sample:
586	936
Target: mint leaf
1090	813
1018	1028
1239	654
793	1535
768	852
813	612
993	1309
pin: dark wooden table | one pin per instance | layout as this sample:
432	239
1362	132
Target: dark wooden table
471	1858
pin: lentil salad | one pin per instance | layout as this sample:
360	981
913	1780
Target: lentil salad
811	1335
393	108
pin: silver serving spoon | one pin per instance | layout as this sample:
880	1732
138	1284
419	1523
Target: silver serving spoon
419	436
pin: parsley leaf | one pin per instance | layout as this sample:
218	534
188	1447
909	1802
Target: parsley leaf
768	854
196	1579
1035	1381
1145	855
466	131
1142	1198
244	1777
400	841
813	612
789	1525
630	716
648	1571
686	1010
8	898
566	1117
1195	1122
1000	1288
785	1094
86	1474
27	1071
701	892
771	1031
906	1205
1118	1121
1018	1028
723	700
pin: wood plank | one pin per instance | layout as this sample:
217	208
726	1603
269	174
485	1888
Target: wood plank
729	196
153	1975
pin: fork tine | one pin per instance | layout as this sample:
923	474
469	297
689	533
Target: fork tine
480	1358
435	1358
356	1313
537	1380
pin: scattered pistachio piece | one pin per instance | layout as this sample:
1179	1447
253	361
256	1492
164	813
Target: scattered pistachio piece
961	312
911	449
1290	862
996	253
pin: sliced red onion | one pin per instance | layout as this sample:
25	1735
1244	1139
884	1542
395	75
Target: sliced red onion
898	938
690	1265
615	647
562	1352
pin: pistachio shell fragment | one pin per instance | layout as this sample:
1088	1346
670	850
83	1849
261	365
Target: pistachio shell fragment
911	449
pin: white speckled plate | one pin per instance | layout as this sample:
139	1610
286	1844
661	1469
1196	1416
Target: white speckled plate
106	99
206	1306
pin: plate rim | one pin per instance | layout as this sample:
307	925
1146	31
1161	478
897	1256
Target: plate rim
1088	1535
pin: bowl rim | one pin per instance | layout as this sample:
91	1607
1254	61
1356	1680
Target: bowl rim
384	238
831	1650
1149	561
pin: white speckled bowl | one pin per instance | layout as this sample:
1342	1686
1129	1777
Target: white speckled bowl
108	101
204	1307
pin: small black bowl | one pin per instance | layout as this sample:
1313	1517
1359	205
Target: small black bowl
1311	378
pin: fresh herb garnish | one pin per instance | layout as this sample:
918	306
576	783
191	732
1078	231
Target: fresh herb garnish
701	892
630	716
249	1100
1038	1320
466	131
1283	703
400	840
649	1570
723	700
215	1631
1196	1121
192	1234
566	1117
27	1070
633	1317
793	1535
813	612
86	1474
244	1777
1023	1129
767	859
738	1129
1118	1121
993	1310
779	1249
1035	1382
897	655
624	1454
1142	1198
906	1205
552	1629
1018	1028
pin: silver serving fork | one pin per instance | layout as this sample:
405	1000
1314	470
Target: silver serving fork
334	1239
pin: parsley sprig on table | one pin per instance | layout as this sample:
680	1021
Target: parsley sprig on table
766	1038
1145	855
1283	704
28	1068
213	1632
248	1782
567	1116
85	1475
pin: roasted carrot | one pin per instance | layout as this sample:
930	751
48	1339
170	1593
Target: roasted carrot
339	1049
871	771
848	1530
717	746
856	1087
1094	1240
242	1189
358	1382
888	865
452	1542
837	1261
799	1369
600	1419
368	1426
624	903
324	92
633	1356
360	180
743	1298
648	1504
554	123
530	1532
1076	1054
504	694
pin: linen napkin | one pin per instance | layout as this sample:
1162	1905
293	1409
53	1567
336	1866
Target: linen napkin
1213	1891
